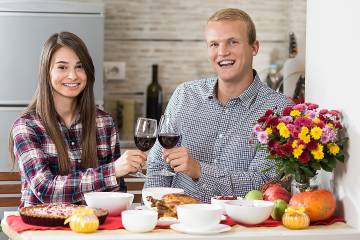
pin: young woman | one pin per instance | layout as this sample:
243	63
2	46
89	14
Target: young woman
64	145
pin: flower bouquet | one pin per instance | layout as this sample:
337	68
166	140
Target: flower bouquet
301	140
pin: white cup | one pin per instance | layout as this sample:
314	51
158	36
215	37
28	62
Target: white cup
199	216
139	220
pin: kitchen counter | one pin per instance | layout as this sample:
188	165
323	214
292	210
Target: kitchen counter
127	144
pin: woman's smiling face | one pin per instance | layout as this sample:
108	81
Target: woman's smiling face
67	75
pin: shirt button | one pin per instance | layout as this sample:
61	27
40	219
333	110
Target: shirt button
72	143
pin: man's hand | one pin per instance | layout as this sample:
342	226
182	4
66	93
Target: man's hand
181	160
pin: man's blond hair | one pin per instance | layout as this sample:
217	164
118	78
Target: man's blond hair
233	14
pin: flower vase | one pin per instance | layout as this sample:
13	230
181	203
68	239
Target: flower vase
301	185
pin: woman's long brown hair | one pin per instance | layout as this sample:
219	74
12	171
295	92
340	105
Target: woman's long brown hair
43	103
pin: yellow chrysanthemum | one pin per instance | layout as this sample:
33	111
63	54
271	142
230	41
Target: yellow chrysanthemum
301	146
320	147
295	113
305	138
318	155
316	120
304	131
318	152
268	131
316	133
284	132
294	144
333	148
297	152
280	125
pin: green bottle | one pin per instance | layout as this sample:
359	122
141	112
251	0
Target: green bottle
154	96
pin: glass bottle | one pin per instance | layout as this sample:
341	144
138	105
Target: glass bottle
154	96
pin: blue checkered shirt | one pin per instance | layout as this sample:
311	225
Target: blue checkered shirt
219	137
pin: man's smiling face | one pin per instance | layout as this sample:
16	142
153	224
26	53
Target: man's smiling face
229	51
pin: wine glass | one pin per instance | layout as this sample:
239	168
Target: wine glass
144	137
168	136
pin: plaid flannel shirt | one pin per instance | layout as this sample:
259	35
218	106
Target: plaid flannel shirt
218	136
38	161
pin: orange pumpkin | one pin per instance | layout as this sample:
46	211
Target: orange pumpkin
319	204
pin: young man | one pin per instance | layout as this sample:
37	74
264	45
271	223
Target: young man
216	117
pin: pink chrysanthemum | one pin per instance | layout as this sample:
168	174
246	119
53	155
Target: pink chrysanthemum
263	137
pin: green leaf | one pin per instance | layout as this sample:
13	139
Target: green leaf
260	146
308	172
315	165
289	170
297	176
271	157
325	166
340	157
332	162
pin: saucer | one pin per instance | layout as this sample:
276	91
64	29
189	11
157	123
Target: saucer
219	228
166	221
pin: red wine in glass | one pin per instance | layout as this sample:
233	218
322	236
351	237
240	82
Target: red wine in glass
144	137
144	143
168	140
168	136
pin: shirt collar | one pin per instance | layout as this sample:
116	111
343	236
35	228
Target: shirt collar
245	98
76	121
210	92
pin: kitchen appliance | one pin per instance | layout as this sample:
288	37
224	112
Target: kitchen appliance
24	27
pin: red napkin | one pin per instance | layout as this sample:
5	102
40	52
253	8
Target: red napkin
274	223
17	224
111	223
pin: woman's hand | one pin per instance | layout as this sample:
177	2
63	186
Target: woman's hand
129	162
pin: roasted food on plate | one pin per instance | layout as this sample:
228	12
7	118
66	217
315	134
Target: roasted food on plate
166	206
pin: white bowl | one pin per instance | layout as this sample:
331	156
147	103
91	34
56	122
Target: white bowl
199	216
249	211
139	220
220	202
115	202
157	193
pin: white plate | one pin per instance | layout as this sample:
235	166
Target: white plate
143	207
186	229
166	221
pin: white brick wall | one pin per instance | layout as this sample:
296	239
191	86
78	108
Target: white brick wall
171	33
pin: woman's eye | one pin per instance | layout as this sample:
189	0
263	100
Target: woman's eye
79	66
61	67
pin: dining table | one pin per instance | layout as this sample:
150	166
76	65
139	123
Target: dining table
335	231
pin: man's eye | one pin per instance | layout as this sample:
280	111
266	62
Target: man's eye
213	45
232	42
